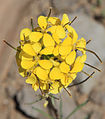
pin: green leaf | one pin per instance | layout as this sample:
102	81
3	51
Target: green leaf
43	113
60	109
76	109
52	96
30	103
53	101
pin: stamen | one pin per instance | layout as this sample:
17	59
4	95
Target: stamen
32	24
82	81
92	67
70	22
91	52
88	42
10	45
49	13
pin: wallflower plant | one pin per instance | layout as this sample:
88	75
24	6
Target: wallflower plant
50	55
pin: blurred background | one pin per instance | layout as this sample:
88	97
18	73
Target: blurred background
14	93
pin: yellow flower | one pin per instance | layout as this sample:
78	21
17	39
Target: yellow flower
46	64
58	29
50	46
80	45
31	79
41	73
72	33
42	21
56	74
54	21
76	44
66	46
71	57
47	56
69	78
28	55
64	67
78	64
25	34
55	87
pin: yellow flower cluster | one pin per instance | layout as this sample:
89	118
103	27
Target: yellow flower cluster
47	56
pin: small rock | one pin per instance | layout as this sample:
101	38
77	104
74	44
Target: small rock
27	96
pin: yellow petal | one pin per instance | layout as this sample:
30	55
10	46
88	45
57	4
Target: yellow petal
64	50
56	51
46	64
73	75
67	41
67	81
26	64
29	50
25	33
41	73
55	88
42	21
60	32
24	56
48	40
65	19
71	57
45	103
82	44
37	47
35	86
79	64
44	86
35	36
82	58
31	80
52	29
56	74
64	67
72	33
47	50
54	20
56	38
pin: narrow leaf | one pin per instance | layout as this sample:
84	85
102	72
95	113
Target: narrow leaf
76	109
43	113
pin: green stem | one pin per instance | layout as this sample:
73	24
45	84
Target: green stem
32	24
49	13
